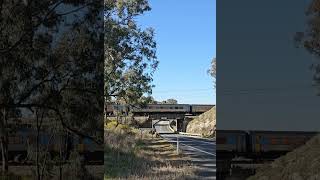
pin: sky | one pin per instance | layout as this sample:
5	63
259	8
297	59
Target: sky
264	81
186	43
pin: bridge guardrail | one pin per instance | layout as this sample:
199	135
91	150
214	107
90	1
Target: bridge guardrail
190	134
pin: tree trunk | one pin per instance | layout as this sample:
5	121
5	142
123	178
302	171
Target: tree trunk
60	154
4	154
4	142
38	149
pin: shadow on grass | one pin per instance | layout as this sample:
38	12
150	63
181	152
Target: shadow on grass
121	164
125	164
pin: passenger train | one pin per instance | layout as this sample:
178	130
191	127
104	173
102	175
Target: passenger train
160	108
25	137
255	146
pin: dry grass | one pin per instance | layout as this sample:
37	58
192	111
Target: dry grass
205	124
301	163
132	155
27	173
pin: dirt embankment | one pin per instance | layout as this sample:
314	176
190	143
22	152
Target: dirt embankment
302	163
205	124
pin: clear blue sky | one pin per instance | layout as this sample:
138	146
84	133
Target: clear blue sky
186	38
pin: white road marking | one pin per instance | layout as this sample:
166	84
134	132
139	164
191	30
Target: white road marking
206	141
211	143
212	154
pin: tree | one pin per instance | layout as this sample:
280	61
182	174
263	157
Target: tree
47	62
170	101
130	52
213	70
144	100
310	38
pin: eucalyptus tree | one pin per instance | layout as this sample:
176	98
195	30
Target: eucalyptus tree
49	52
310	38
213	70
130	51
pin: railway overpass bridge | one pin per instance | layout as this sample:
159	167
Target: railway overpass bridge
178	115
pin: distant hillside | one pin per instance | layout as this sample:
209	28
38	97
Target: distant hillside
205	124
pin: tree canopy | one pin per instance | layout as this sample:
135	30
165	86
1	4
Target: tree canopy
51	59
213	70
310	38
169	101
130	52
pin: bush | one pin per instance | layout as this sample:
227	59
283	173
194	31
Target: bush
111	124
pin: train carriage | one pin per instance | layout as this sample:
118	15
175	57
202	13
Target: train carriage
261	142
159	108
255	146
24	138
199	108
150	108
278	141
231	141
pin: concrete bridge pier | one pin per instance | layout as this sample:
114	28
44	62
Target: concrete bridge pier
185	123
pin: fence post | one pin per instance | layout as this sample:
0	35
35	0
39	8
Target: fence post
177	145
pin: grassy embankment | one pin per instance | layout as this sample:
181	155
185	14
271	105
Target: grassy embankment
130	154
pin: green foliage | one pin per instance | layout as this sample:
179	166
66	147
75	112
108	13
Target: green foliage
44	59
111	124
130	52
139	144
169	101
47	62
117	127
124	128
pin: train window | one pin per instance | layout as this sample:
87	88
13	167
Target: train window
15	140
221	141
231	140
176	107
286	141
31	139
274	141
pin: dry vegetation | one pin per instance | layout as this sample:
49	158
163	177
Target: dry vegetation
300	164
130	154
205	124
73	169
92	172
